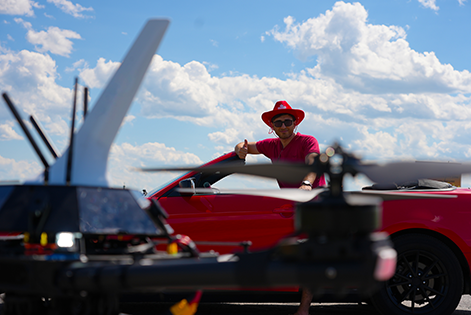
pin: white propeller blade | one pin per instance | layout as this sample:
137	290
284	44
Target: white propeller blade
299	195
399	195
93	141
293	194
400	172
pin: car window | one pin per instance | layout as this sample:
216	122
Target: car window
240	181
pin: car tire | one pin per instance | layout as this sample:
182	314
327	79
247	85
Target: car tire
427	273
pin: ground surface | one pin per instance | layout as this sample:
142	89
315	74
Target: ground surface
464	308
279	309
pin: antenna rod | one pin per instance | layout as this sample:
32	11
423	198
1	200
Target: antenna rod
85	102
71	144
28	134
43	135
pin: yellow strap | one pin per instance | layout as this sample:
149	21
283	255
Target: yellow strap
183	308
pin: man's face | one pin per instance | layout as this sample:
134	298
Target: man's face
284	132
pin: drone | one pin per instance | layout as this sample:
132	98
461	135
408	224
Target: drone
71	244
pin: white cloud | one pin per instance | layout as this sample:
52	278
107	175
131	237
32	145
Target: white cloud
7	132
369	89
11	169
54	39
365	121
68	7
125	156
229	136
189	92
210	66
368	58
98	76
25	24
18	7
30	80
129	118
79	64
430	4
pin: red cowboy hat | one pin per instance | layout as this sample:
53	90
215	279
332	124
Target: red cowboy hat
282	107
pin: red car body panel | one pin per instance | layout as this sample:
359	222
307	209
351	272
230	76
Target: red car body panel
229	218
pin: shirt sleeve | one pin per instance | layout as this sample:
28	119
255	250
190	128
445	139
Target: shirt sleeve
262	146
311	146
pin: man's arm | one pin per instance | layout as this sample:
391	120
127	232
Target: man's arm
244	148
311	177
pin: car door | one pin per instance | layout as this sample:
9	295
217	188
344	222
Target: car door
211	219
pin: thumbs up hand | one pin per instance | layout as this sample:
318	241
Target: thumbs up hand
242	149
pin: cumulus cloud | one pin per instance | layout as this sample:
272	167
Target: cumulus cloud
54	39
98	76
79	64
229	136
368	58
368	89
22	170
125	156
73	9
18	7
30	80
430	4
7	132
233	105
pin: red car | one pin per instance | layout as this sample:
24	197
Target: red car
432	236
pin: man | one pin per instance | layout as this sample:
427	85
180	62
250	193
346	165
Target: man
289	146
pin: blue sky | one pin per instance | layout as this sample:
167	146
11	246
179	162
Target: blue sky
388	79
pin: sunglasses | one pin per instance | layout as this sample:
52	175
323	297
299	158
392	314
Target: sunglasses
279	123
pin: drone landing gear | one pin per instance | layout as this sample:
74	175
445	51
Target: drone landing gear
24	305
87	305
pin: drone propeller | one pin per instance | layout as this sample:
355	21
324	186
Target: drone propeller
336	162
288	172
93	141
292	194
299	195
399	172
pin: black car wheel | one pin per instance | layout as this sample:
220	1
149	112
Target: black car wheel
428	279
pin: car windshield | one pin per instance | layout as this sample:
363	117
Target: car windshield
166	184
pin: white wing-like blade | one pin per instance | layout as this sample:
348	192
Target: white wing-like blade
93	141
299	195
399	195
400	172
293	194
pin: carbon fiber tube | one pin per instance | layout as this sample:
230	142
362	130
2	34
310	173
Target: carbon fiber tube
251	270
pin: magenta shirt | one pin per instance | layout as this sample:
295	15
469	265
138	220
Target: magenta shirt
295	151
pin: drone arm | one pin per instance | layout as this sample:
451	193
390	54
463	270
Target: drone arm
44	136
25	130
